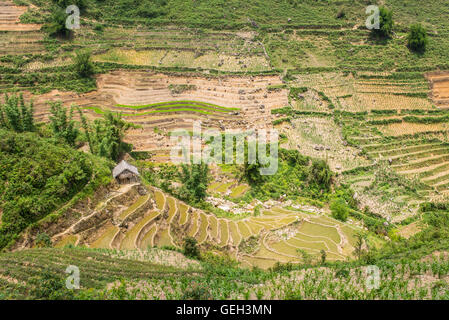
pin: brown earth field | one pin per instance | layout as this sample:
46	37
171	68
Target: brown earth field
248	98
439	85
9	18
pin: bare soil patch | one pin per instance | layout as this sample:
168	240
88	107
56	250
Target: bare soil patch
10	18
439	86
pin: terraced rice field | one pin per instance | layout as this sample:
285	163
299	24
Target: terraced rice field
104	241
136	205
68	240
425	160
148	99
129	242
162	226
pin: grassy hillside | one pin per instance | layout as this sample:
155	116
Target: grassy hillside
38	177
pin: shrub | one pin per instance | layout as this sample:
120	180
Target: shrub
323	256
191	248
99	27
16	115
43	240
417	38
195	178
342	273
320	174
83	64
385	24
55	25
48	286
339	209
341	14
81	4
197	292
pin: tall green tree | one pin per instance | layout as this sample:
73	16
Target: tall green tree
85	125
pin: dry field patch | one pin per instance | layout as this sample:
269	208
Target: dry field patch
397	129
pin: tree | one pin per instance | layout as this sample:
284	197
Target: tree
194	178
85	126
385	23
417	38
83	64
62	124
251	172
81	4
306	257
43	240
339	209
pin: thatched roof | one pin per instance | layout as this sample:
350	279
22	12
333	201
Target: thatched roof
122	166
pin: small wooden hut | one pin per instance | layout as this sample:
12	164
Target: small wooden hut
125	173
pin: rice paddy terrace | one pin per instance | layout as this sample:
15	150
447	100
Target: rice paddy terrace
128	219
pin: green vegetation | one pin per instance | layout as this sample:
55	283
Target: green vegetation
190	248
194	178
106	136
339	209
388	145
62	124
56	24
83	64
417	38
37	177
16	115
385	23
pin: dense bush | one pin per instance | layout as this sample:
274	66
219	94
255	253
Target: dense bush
417	38
81	4
49	286
386	23
16	115
83	64
197	292
191	248
339	209
297	175
36	177
56	24
194	178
